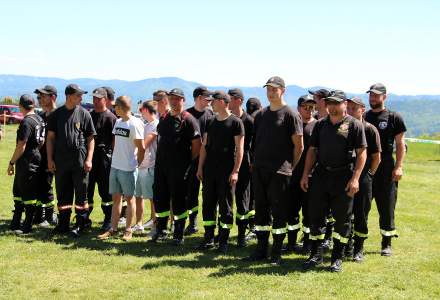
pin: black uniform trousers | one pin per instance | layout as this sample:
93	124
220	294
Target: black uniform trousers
69	182
217	191
100	175
298	202
192	200
362	205
272	193
385	194
25	181
243	193
45	197
327	191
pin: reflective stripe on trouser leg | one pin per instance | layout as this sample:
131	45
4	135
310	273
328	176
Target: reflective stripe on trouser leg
279	230
342	239
392	233
360	234
163	214
293	227
317	237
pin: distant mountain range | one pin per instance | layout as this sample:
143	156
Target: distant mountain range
421	112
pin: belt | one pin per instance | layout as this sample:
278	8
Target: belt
336	169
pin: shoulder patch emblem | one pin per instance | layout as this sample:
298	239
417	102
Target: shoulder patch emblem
77	125
383	125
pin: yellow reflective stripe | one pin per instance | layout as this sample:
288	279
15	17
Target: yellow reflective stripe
106	203
342	239
225	226
388	233
208	223
293	227
331	220
262	228
50	204
306	229
193	210
29	202
360	234
163	214
17	199
251	213
181	216
39	203
279	230
241	217
317	237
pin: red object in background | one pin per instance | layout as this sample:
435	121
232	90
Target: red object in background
13	114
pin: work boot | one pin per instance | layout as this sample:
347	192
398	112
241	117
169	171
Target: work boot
327	244
337	254
39	215
261	252
208	239
26	227
358	251
315	258
161	233
386	246
251	235
16	217
307	244
82	222
63	225
192	226
107	222
275	255
292	245
223	237
348	249
179	227
241	237
50	216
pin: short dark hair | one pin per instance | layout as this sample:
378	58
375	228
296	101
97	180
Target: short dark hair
151	106
161	94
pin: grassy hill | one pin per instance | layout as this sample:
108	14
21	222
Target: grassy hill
40	266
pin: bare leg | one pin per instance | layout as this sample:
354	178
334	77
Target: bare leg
116	210
131	211
139	210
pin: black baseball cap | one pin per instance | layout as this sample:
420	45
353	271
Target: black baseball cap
110	93
74	89
336	96
201	91
323	93
27	101
237	93
377	88
177	92
275	81
47	89
304	99
220	95
357	101
99	93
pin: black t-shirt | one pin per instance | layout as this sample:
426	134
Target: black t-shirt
71	128
248	123
28	132
220	143
175	136
307	133
336	142
202	117
389	124
273	146
103	122
373	138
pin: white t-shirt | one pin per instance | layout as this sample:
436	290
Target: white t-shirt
150	153
125	152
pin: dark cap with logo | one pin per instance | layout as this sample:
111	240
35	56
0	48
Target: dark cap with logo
237	93
356	100
305	98
323	93
276	82
110	93
201	91
336	96
27	101
100	93
176	92
377	88
220	95
47	89
73	88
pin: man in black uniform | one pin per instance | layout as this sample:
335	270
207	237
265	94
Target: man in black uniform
391	129
253	106
110	99
200	111
299	201
44	214
178	145
219	164
103	121
243	186
27	158
163	104
70	145
362	199
337	143
278	146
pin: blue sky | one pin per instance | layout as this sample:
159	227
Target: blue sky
341	44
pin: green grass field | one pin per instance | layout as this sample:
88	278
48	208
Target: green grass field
41	266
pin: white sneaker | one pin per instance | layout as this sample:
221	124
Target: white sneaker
137	229
149	224
44	224
122	221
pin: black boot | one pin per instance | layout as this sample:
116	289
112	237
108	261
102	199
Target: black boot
315	258
275	256
292	245
337	254
327	244
223	237
63	225
358	255
29	211
386	246
49	215
307	244
81	224
192	226
39	215
179	227
16	217
241	238
348	249
208	239
161	232
251	233
107	222
261	252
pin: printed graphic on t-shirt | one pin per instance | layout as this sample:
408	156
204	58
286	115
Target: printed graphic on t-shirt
125	132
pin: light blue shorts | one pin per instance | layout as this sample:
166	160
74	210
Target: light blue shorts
144	184
123	182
